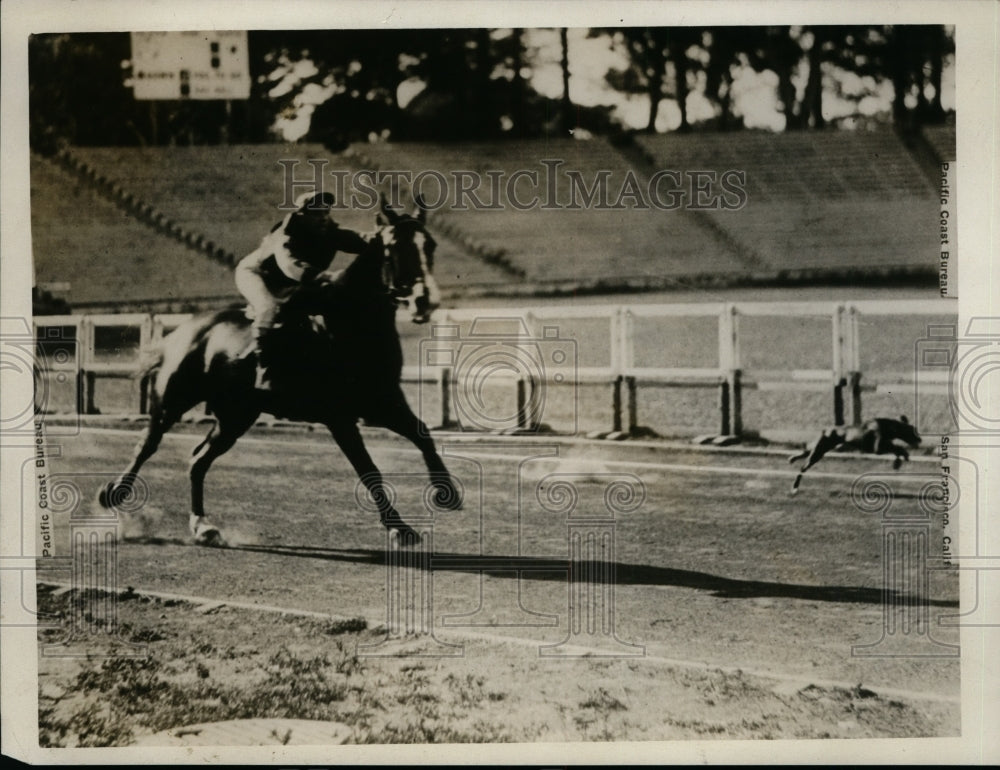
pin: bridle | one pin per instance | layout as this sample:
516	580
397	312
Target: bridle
410	285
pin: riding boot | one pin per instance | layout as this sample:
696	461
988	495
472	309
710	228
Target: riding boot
262	338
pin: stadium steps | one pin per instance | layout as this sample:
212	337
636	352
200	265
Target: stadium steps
443	223
587	246
145	212
942	141
932	147
750	259
107	253
232	194
828	165
829	201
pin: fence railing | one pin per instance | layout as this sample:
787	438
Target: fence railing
90	351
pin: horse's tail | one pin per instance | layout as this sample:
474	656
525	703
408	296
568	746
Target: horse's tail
150	361
167	356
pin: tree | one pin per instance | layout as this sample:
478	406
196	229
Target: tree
724	45
566	105
782	53
679	40
646	73
76	91
916	56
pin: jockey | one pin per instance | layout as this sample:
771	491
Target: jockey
296	250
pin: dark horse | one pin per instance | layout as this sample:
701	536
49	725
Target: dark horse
338	360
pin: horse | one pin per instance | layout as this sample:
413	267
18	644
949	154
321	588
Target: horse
879	436
338	360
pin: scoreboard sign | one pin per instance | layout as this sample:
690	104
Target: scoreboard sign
190	65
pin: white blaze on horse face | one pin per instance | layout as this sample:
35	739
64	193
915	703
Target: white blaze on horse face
425	297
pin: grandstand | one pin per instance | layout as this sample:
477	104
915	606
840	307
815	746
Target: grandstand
104	254
942	141
230	195
587	244
171	221
817	201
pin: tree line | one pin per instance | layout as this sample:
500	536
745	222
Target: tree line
477	83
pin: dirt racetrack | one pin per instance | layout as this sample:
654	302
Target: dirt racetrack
725	607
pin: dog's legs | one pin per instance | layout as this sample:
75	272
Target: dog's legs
825	443
800	456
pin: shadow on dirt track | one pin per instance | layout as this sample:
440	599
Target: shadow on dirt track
537	569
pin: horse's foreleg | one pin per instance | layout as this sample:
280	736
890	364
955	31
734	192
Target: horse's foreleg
121	488
220	439
348	438
403	421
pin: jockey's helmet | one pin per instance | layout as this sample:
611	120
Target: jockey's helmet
315	203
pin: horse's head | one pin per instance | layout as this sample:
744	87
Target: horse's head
907	432
408	261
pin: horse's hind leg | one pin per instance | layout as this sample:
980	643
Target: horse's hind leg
403	421
348	438
220	439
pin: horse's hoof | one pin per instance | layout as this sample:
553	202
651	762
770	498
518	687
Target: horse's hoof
205	533
210	537
104	495
793	491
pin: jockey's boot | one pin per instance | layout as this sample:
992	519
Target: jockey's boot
263	381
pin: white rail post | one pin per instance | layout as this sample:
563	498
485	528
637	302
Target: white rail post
444	384
615	322
622	362
85	377
839	358
731	397
853	363
528	391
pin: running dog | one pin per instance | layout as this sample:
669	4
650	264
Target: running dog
879	436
